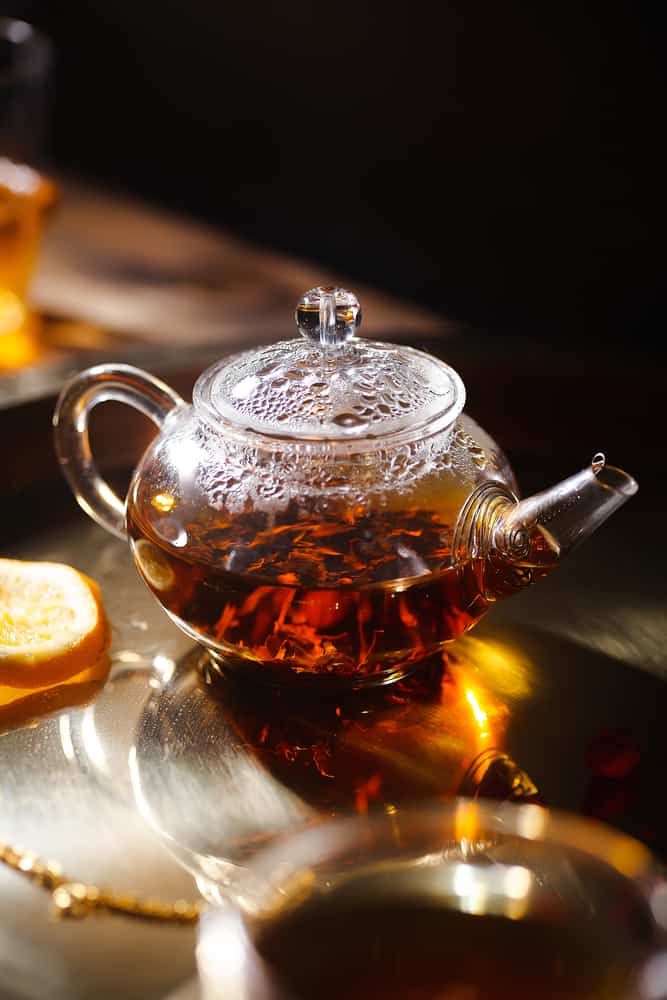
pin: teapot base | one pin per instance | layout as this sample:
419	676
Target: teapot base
219	665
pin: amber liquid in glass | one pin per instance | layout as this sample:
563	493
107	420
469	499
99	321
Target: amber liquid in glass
359	597
21	217
366	940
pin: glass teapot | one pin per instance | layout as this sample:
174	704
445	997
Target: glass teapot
324	511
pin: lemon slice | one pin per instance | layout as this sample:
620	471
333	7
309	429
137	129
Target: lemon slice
52	624
154	565
21	706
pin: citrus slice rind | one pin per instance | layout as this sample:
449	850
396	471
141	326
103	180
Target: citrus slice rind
21	706
52	624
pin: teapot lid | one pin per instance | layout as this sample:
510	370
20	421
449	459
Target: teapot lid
330	385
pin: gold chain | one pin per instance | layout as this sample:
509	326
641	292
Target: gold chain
71	898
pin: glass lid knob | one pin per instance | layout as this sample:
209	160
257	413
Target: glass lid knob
328	316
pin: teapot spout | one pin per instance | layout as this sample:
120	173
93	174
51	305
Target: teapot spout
565	514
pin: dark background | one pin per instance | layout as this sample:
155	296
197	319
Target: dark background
501	162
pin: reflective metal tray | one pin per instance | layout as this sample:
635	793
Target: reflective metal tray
567	679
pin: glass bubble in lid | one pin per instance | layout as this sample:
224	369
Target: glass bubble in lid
330	384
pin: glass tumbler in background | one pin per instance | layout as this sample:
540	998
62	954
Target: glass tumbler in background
25	66
25	63
458	901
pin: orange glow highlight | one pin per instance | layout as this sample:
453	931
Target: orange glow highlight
481	717
505	671
163	502
486	714
466	821
19	345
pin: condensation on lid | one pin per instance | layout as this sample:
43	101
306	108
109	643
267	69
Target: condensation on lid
330	385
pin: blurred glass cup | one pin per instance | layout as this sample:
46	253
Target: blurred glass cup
25	63
447	901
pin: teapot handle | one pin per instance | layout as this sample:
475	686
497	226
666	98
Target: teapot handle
70	422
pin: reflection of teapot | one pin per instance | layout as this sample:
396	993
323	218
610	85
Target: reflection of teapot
324	510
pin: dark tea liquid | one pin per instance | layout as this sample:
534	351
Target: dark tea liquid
355	943
356	597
